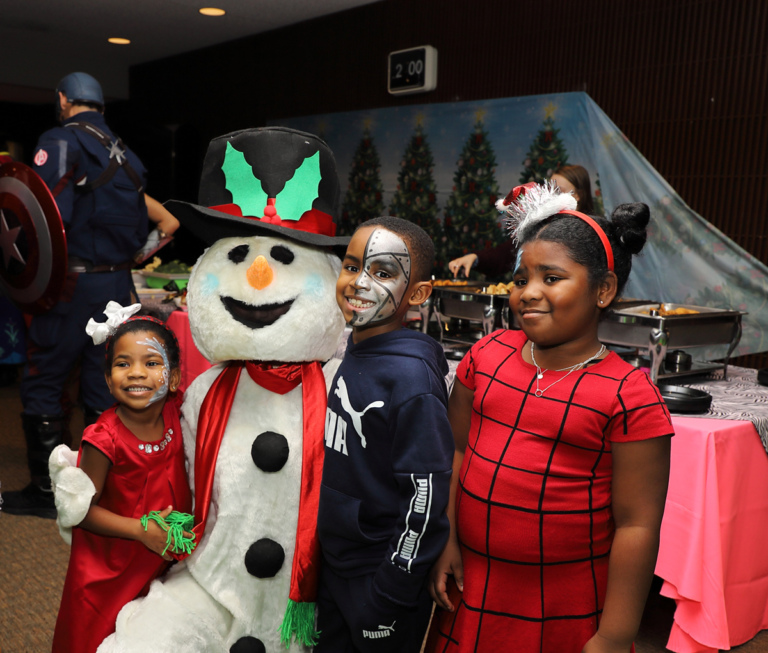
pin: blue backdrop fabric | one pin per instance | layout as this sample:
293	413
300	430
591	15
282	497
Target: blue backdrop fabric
686	260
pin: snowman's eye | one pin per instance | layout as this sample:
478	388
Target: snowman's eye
282	254
238	254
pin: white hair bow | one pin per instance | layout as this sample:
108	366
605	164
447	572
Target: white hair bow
116	315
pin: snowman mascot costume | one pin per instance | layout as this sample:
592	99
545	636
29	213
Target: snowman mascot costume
262	304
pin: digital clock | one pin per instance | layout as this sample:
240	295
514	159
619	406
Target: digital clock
413	70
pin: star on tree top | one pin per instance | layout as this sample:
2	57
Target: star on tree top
549	111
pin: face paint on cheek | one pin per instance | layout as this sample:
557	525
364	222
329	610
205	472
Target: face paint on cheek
384	252
156	347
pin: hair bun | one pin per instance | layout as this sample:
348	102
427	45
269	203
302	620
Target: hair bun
630	225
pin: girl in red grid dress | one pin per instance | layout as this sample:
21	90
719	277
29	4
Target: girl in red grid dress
562	453
134	456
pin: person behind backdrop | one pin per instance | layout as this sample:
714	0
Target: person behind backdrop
498	261
98	184
134	457
388	450
562	452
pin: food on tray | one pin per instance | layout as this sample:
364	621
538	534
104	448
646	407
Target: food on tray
497	289
181	300
666	312
151	267
449	282
174	267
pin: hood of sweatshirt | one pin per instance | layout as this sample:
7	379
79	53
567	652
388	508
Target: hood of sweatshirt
404	342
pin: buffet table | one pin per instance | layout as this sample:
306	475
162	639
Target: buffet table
712	557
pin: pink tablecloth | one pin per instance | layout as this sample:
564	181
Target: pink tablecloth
714	552
192	361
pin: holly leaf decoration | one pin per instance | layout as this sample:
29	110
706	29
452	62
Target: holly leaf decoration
246	189
297	196
301	190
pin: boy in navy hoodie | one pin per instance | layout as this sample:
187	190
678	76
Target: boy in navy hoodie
388	450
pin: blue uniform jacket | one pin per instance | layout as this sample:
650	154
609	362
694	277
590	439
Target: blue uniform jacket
107	225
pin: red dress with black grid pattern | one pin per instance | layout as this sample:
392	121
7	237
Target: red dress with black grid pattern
533	504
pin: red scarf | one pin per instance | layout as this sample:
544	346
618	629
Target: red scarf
212	423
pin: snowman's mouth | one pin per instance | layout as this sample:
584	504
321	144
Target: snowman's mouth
255	317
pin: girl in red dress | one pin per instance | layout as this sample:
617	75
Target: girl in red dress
562	453
135	458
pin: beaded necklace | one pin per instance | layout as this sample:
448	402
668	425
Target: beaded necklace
572	368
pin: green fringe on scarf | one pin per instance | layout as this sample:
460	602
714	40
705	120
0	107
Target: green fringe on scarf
174	524
299	623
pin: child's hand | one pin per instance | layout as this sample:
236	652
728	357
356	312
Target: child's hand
155	538
448	564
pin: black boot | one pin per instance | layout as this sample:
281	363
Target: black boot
43	434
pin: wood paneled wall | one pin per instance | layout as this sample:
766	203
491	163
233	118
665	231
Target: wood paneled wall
685	80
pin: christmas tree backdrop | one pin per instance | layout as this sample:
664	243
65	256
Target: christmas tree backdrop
415	196
686	260
547	152
471	220
363	200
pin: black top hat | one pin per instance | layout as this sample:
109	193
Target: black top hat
266	181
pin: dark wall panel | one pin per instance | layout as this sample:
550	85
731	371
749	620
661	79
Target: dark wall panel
686	80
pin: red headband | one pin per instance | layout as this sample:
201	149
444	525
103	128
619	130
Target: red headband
600	233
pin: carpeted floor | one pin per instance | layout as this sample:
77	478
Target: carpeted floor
33	561
33	557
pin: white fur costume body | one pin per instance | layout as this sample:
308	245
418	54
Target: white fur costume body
210	601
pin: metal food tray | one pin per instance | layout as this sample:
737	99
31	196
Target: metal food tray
427	309
466	303
632	325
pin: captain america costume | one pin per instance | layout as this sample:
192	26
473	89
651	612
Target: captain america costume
98	186
105	226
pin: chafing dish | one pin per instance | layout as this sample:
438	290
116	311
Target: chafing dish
642	325
469	303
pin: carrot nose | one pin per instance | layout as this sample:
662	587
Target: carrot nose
260	275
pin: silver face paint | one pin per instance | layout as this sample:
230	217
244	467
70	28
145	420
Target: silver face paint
384	278
156	347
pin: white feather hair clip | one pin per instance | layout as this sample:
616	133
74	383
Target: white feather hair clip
526	206
116	315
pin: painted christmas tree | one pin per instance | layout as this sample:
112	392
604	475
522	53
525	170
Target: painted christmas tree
471	218
547	152
415	198
363	199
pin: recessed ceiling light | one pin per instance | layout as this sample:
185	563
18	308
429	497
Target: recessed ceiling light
212	11
119	41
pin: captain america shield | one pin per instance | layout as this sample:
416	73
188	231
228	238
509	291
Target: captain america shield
32	239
